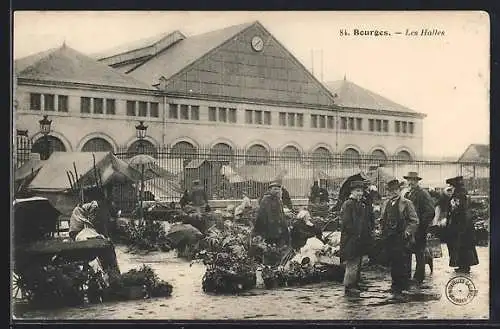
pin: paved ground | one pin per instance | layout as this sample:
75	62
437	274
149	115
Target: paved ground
319	301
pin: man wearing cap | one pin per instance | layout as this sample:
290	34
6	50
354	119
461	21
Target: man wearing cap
424	206
271	223
399	223
355	233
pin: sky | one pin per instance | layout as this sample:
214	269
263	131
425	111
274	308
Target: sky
446	77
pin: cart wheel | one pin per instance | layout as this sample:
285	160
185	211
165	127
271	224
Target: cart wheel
19	287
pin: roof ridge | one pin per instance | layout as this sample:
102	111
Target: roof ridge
243	26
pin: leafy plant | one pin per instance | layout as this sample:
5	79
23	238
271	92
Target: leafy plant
147	236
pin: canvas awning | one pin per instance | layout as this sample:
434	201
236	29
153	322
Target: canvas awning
52	175
254	173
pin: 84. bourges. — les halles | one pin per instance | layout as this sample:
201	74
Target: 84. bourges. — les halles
425	32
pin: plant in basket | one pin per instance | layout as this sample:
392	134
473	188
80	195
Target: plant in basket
229	267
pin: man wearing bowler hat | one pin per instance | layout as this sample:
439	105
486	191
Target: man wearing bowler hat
355	237
399	223
424	206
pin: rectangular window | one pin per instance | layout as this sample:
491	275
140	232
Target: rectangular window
35	102
397	126
222	114
248	116
291	119
343	123
314	121
98	106
62	103
379	125
48	102
282	119
184	112
212	113
331	122
403	126
258	117
386	126
232	115
411	128
153	110
322	121
195	112
173	111
300	120
359	124
131	108
351	123
143	109
110	106
371	125
84	104
267	118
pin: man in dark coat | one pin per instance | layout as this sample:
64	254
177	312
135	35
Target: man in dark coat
315	193
460	229
271	223
285	198
399	223
355	232
198	196
424	206
323	194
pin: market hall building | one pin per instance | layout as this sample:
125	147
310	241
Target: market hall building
229	89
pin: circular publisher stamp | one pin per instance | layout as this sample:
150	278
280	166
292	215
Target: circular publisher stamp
460	290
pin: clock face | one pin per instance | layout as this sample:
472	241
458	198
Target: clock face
257	43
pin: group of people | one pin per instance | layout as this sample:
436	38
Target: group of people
406	220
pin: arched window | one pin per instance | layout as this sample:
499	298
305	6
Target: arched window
142	147
290	153
351	154
183	150
54	144
379	156
257	154
222	152
97	144
404	156
321	154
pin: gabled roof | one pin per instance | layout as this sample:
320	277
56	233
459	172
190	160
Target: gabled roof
476	152
181	54
348	94
65	64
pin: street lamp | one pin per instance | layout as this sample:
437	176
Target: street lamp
140	131
45	131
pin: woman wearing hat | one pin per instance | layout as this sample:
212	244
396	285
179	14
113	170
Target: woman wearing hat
460	229
355	237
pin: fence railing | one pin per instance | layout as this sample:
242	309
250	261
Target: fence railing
226	175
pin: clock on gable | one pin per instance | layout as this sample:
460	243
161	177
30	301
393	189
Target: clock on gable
257	43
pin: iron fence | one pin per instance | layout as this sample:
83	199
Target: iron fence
226	174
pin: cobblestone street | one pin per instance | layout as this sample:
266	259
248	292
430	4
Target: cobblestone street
320	301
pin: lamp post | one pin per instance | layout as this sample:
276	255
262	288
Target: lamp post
45	131
140	131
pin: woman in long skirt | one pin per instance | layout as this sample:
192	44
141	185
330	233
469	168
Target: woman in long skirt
460	229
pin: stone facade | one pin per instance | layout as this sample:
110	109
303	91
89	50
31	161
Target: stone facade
232	95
